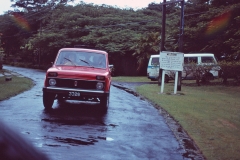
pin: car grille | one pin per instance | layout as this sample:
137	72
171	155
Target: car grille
78	84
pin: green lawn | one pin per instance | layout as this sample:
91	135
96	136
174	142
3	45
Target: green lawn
13	87
210	114
131	79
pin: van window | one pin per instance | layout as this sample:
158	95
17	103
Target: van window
208	60
155	61
190	60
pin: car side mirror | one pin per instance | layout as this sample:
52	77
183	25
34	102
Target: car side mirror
111	67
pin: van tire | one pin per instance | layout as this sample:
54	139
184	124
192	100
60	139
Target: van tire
166	78
160	79
207	77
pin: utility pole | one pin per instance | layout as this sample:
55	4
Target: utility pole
180	44
181	27
163	26
162	48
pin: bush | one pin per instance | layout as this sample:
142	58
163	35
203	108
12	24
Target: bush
199	72
230	70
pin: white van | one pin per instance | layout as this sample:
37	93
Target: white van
198	58
153	69
207	59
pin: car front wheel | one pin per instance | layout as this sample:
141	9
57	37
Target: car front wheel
104	101
48	99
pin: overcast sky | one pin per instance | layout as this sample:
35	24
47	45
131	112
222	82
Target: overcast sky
135	4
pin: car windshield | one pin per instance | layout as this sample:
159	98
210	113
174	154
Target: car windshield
79	58
155	61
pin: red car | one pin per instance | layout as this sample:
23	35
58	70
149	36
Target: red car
78	74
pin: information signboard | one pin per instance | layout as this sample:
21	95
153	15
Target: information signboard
171	61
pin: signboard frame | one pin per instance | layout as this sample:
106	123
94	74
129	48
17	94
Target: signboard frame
172	61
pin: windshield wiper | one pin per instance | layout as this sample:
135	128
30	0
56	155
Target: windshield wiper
70	61
86	63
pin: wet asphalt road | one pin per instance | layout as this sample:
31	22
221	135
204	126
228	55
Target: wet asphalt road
131	129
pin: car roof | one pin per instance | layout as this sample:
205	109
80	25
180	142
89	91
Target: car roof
157	55
190	54
197	54
83	49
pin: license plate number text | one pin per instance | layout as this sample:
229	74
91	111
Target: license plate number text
74	94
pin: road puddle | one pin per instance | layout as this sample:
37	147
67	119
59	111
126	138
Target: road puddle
81	141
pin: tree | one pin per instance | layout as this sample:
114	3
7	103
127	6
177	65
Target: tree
218	3
36	5
148	45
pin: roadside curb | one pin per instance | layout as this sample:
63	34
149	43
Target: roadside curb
121	86
191	151
10	73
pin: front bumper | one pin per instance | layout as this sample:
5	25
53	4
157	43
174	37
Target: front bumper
65	91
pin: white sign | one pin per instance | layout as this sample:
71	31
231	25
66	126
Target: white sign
171	61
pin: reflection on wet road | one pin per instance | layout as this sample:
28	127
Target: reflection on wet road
130	129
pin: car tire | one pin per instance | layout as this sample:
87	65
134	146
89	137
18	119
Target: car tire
104	101
48	99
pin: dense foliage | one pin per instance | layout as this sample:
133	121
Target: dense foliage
34	34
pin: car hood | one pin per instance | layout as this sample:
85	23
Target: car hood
78	72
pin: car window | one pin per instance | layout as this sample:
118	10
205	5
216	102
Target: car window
188	60
208	60
79	58
98	60
155	61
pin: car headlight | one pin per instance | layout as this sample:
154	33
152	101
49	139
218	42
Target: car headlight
52	74
99	86
52	82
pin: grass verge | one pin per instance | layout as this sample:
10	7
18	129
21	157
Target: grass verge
130	79
11	88
210	114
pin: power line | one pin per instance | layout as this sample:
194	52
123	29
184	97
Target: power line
194	14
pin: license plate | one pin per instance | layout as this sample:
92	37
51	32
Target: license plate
74	94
